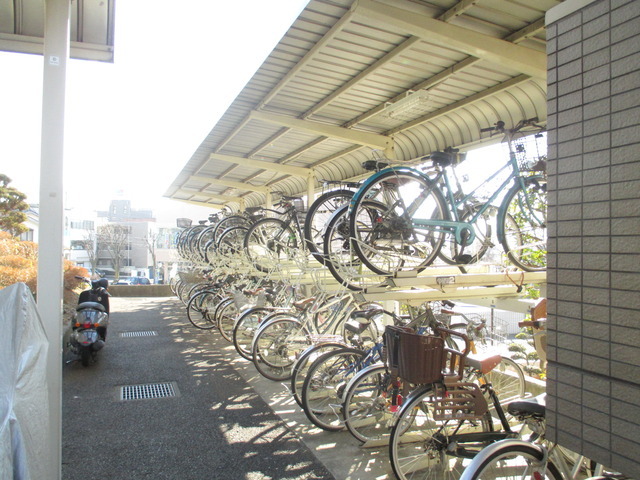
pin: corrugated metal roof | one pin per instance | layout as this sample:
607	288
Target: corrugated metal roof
327	96
22	25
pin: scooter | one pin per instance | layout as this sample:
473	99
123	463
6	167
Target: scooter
90	321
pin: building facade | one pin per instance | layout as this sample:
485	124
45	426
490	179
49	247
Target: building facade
593	274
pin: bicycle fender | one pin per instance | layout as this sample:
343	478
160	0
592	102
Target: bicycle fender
502	210
272	321
373	178
365	371
489	450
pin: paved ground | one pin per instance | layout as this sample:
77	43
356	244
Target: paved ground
226	421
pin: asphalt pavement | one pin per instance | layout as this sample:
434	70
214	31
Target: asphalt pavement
199	411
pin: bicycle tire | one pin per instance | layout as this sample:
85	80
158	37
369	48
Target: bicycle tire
340	256
507	380
247	325
510	460
269	242
226	319
393	241
317	217
200	309
231	241
324	386
276	345
417	444
522	224
304	362
368	410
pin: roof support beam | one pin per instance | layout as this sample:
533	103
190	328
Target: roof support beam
218	206
215	196
462	103
230	184
276	167
500	52
354	136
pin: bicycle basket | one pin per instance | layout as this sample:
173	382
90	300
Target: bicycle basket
530	153
418	359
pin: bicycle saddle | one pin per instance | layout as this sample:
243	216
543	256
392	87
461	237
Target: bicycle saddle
371	165
367	315
531	407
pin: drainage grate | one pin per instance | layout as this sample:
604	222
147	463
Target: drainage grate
149	333
149	390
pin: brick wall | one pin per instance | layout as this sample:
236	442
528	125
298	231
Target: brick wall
594	230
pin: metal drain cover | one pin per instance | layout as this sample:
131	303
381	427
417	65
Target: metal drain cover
148	390
149	333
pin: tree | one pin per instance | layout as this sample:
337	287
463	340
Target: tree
89	244
152	240
12	208
114	239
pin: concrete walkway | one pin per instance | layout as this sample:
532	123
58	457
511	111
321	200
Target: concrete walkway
225	420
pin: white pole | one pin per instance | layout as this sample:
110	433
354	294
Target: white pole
51	215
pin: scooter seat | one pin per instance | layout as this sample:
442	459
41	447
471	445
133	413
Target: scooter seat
92	305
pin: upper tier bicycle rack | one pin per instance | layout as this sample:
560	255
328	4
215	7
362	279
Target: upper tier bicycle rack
483	285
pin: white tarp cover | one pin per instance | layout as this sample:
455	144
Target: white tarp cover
24	406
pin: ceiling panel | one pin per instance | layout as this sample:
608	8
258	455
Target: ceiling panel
342	64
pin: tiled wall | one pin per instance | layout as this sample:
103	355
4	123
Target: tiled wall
594	231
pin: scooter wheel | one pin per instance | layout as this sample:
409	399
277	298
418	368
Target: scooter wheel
85	355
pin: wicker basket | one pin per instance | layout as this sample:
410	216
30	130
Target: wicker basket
415	358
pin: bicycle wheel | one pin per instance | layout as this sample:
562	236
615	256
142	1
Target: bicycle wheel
303	363
317	217
323	389
399	237
200	309
511	459
276	345
226	319
340	255
522	224
269	242
370	404
231	241
507	380
418	445
245	327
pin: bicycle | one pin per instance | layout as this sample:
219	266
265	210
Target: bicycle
374	395
278	342
271	241
535	458
447	420
421	210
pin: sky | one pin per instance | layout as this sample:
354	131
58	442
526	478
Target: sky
133	124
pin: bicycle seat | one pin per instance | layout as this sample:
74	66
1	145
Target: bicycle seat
483	364
367	315
531	407
371	165
302	304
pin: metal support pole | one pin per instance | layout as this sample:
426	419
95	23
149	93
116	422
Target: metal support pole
51	215
311	185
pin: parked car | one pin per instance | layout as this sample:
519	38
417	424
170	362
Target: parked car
123	281
140	281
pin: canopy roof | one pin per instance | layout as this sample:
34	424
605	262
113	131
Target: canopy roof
355	79
92	25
